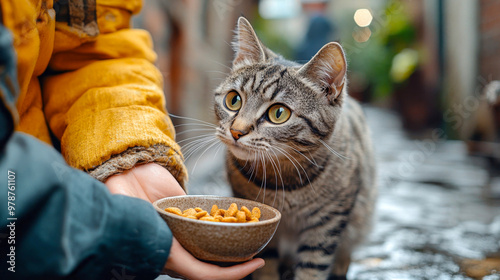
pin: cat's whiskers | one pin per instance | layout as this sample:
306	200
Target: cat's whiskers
193	119
292	159
311	160
218	148
276	173
342	157
282	151
246	162
265	176
265	148
194	138
194	130
257	166
215	71
314	160
253	167
215	142
196	148
195	125
263	180
217	79
199	124
223	65
195	144
280	172
219	133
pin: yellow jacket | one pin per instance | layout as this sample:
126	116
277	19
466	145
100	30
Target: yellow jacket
88	78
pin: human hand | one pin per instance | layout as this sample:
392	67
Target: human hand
152	182
181	263
148	181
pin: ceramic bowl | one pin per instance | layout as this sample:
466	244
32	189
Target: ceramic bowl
217	241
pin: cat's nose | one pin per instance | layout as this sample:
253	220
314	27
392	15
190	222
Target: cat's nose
237	133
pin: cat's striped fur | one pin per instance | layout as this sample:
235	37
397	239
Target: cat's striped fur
317	167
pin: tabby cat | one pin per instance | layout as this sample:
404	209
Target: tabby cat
298	142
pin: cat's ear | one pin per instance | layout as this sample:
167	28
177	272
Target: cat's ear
248	48
327	69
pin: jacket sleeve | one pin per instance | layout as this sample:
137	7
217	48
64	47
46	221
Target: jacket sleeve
65	224
103	98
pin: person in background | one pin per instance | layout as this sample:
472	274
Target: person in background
320	30
85	146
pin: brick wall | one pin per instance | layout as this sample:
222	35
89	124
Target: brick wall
489	58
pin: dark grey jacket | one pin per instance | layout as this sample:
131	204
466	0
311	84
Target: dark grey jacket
57	222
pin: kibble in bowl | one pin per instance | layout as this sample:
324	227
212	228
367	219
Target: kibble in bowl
219	241
229	215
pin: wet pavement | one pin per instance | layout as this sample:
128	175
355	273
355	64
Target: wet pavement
438	212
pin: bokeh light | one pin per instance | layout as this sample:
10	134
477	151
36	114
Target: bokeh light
363	17
362	35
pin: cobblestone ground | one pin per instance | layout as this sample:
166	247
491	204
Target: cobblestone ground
438	212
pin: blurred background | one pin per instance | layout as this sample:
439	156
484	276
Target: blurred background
427	73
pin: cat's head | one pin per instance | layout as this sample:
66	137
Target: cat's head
270	104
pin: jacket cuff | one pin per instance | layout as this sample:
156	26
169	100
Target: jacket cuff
159	154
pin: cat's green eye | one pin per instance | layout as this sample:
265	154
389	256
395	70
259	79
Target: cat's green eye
233	101
279	113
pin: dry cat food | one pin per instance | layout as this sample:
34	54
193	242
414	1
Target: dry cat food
231	215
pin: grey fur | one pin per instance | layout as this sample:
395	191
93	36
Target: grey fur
317	168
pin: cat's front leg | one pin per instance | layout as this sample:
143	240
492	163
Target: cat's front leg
315	263
318	245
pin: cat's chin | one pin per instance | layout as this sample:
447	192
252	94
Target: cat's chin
241	153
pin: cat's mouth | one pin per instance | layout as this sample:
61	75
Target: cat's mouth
241	152
239	149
